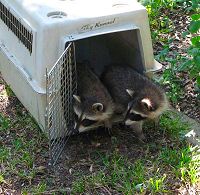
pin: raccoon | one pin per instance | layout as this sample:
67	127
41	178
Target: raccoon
93	104
135	96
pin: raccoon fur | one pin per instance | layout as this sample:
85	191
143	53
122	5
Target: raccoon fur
135	96
93	104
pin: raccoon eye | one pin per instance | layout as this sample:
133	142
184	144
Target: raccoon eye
135	117
87	122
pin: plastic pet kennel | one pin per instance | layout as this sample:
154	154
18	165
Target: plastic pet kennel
41	41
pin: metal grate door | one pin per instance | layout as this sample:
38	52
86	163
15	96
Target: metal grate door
61	85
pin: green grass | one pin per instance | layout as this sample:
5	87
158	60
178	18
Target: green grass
156	172
183	162
20	140
170	124
36	190
4	123
158	166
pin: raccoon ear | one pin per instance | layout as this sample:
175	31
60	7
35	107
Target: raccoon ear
97	107
147	104
130	92
77	98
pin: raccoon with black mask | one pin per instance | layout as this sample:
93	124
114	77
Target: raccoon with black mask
135	96
93	105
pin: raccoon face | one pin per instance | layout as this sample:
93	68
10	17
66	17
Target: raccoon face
145	105
88	113
82	123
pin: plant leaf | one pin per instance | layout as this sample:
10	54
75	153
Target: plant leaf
194	26
195	16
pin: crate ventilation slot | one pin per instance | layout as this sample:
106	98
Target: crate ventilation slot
24	35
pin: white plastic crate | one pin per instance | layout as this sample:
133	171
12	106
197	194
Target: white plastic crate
41	41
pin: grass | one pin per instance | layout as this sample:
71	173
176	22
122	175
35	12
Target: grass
4	123
39	189
20	140
172	163
165	164
171	125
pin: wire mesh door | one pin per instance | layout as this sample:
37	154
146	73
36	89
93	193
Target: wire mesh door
61	85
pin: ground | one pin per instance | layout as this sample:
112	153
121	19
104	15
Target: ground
97	163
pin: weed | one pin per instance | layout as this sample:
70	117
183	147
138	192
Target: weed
18	144
189	5
4	123
192	64
157	184
169	78
78	186
176	160
37	190
171	125
161	28
4	154
119	174
2	180
17	150
27	158
9	91
184	162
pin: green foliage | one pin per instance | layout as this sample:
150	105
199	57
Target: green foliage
157	184
192	64
20	141
171	124
2	180
189	5
180	162
4	154
176	160
183	162
118	173
4	123
37	190
161	25
169	76
170	79
9	91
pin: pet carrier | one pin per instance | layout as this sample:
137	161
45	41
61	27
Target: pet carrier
41	41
